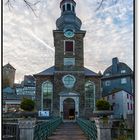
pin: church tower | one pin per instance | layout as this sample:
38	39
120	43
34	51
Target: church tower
68	39
69	60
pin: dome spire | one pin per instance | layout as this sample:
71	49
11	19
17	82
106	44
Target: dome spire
68	18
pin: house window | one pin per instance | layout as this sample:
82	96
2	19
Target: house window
131	106
123	81
113	96
107	83
69	46
69	61
128	106
29	81
123	71
127	96
130	97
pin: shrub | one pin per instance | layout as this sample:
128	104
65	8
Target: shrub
102	105
27	104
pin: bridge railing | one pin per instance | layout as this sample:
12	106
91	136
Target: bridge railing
45	129
88	127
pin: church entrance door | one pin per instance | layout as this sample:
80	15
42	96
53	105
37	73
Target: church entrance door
69	109
69	106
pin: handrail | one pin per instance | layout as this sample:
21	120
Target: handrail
45	129
88	127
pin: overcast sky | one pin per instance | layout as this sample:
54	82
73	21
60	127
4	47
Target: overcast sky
28	39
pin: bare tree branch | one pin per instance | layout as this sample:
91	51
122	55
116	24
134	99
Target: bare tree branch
9	4
28	4
100	5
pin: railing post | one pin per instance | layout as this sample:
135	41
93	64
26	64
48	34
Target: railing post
103	129
26	127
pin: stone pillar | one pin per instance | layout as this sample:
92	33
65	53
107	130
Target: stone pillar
26	127
103	129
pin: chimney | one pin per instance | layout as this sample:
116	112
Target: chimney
115	62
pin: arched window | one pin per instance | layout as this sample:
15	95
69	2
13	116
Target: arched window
68	7
90	95
64	8
47	94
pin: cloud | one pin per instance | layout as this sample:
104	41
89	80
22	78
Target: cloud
28	40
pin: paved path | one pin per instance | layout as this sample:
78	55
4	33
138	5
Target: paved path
68	131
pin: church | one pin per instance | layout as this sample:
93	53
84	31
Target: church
68	89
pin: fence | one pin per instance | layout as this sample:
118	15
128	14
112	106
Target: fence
10	131
44	129
122	134
88	127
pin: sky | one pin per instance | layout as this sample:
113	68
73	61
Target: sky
28	39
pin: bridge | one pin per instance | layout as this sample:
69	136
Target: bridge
55	129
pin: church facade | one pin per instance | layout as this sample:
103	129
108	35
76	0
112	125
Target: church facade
68	89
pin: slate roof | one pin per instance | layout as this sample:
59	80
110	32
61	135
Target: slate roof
119	90
121	66
50	71
8	90
9	66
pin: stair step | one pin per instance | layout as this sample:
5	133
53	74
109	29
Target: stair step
68	131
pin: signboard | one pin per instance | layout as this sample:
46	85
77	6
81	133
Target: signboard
43	113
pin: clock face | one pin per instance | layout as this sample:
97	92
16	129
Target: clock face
69	33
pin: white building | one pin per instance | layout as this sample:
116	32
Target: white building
122	104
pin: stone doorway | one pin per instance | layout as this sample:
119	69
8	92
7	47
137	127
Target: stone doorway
69	106
69	109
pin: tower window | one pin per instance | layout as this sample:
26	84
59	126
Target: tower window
69	61
68	7
68	46
73	8
69	81
64	8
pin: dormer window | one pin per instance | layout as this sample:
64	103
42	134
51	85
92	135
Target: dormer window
107	74
123	71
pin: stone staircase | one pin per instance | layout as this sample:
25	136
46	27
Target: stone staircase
68	131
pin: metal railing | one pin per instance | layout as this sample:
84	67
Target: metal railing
88	127
45	129
10	131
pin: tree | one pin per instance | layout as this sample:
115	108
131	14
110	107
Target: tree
102	105
27	104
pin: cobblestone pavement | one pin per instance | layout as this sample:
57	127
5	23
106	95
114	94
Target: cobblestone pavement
68	131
